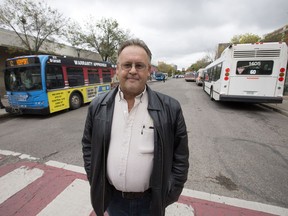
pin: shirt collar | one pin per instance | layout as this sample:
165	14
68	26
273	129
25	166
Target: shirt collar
138	97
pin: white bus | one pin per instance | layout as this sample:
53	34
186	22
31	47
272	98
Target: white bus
248	73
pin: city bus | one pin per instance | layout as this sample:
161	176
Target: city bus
43	84
159	76
248	73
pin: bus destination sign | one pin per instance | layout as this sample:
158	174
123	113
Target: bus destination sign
21	61
15	62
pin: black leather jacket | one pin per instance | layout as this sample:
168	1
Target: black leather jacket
171	152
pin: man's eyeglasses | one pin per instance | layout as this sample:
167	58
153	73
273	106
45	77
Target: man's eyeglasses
138	66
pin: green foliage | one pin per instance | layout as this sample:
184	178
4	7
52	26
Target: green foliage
202	63
166	68
245	38
75	35
235	39
33	22
273	38
104	37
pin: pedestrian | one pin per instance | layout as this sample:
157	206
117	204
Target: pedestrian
135	144
1	104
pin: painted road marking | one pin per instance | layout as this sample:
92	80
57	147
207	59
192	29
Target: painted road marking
65	166
16	180
179	209
74	200
61	183
256	206
39	194
17	154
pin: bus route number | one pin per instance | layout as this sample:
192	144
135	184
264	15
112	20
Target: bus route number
258	63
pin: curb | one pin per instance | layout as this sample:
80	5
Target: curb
281	111
3	114
5	103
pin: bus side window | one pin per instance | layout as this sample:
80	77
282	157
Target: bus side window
54	77
75	76
218	71
106	74
93	76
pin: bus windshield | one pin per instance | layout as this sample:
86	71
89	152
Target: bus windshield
254	67
23	79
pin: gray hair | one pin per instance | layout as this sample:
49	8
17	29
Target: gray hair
135	42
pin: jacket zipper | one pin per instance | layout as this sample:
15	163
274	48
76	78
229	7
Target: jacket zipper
162	167
104	167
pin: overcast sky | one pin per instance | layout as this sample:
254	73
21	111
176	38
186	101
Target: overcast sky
182	31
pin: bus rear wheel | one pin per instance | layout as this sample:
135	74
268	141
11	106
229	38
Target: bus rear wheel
75	101
211	94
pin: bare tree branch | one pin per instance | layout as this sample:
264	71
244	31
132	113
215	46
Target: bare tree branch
33	22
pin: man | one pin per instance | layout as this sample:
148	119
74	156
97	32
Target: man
135	144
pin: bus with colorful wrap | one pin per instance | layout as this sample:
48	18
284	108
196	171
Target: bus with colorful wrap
43	84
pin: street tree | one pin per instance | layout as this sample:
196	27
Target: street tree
76	37
201	63
166	68
245	38
104	37
34	22
280	37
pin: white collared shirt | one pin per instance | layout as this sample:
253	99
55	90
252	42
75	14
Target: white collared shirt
130	156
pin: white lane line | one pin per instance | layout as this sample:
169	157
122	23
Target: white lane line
7	152
73	201
25	156
179	209
236	202
17	154
65	166
16	180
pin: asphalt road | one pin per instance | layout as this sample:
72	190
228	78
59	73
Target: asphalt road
236	150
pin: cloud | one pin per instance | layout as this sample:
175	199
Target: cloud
179	32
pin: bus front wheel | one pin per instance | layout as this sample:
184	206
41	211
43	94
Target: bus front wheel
75	101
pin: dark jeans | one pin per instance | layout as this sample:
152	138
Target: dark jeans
120	206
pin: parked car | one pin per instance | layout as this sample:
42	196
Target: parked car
178	76
200	77
190	76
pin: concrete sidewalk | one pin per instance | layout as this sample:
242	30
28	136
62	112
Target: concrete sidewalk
3	111
281	108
